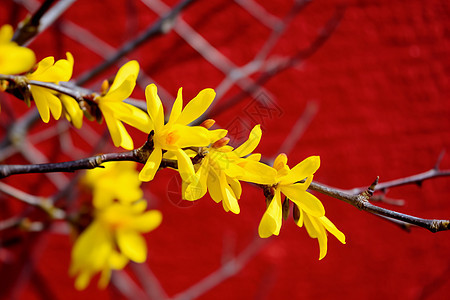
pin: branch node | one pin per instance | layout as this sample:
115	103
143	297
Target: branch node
364	197
439	160
439	225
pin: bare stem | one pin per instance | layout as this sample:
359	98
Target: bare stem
29	28
361	201
161	26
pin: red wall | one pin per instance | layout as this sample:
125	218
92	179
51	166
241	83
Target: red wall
378	90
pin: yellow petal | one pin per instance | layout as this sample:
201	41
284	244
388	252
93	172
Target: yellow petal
131	115
185	167
117	261
15	59
6	33
217	134
280	161
139	206
271	221
302	170
195	136
316	230
254	157
147	221
46	102
214	186
251	143
196	107
132	245
177	107
235	186
60	71
230	201
124	82
151	166
42	68
154	107
196	189
119	134
92	247
104	278
73	110
306	201
332	229
257	172
83	280
55	105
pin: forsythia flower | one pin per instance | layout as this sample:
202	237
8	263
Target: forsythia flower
72	110
13	58
118	180
45	99
114	236
317	228
115	111
111	240
312	212
221	169
175	135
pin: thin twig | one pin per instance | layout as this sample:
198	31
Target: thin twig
43	203
29	28
361	201
275	69
227	270
161	26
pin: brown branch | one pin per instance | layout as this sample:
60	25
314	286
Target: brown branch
30	26
270	72
361	201
413	179
161	26
138	155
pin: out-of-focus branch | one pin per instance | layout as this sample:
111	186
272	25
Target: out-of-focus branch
414	179
227	270
139	155
273	69
42	203
40	20
361	201
161	26
29	27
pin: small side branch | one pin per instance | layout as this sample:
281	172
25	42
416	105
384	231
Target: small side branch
69	166
361	201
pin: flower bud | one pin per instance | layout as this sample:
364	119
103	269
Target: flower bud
208	123
220	143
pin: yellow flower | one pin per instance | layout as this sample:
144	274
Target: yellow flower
289	182
49	71
317	228
221	169
176	135
115	111
13	58
72	110
117	180
111	240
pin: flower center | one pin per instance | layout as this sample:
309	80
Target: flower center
172	137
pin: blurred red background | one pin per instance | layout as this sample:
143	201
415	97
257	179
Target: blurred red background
373	100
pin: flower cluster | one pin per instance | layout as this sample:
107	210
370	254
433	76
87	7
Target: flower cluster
206	163
202	156
114	236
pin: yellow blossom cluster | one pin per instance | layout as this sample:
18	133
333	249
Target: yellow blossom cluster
114	236
203	158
